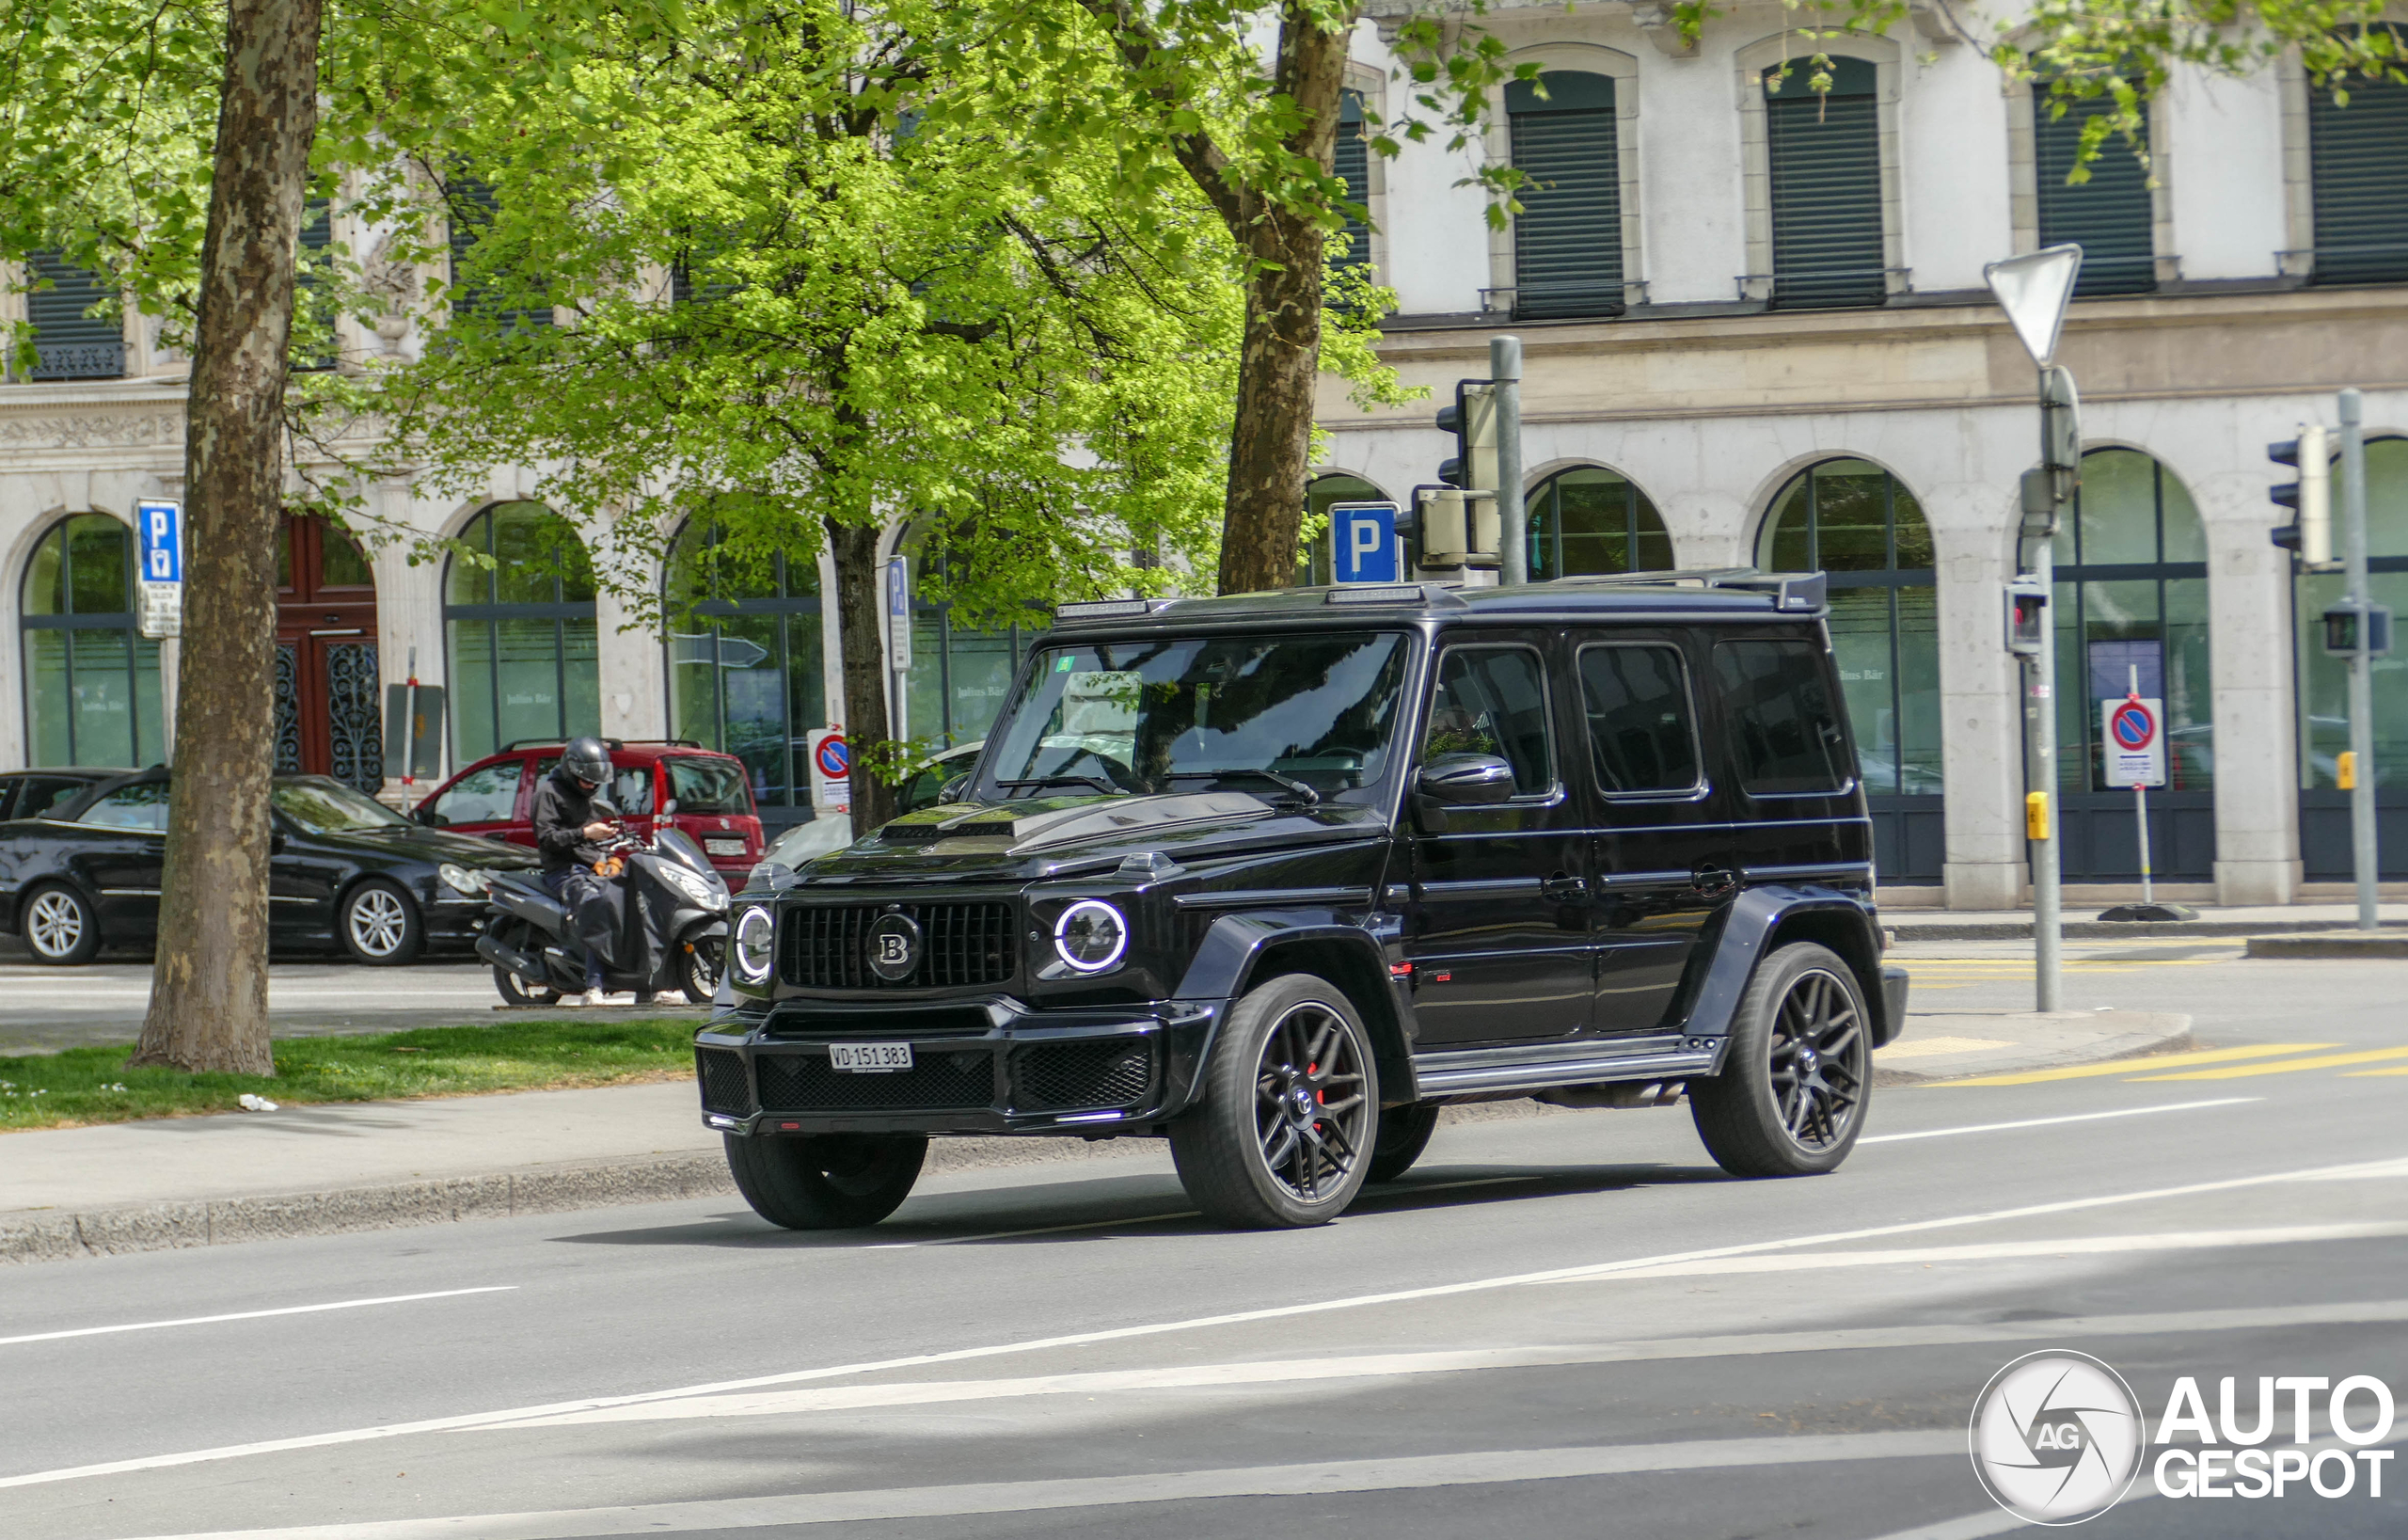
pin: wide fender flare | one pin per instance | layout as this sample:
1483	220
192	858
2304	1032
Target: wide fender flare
1754	922
1227	964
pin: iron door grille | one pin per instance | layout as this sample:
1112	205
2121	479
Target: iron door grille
2108	215
1567	240
2355	155
1826	158
963	945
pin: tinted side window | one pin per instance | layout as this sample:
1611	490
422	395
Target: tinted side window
1493	700
43	795
630	790
1642	734
1786	730
8	797
141	805
486	796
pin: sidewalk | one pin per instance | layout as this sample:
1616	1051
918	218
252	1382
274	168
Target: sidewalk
170	1182
2084	922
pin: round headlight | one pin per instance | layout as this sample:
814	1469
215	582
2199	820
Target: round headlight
461	880
755	933
1091	935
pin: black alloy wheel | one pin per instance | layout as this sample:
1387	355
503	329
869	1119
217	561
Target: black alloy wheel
1791	1098
826	1181
1290	1109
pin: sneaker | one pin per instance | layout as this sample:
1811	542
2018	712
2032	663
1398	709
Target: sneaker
669	997
589	998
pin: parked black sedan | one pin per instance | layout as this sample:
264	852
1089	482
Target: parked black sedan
82	871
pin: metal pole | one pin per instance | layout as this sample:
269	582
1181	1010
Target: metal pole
2353	524
1512	527
2040	775
2140	792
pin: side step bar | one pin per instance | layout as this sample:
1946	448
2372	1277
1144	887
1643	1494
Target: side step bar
1482	1071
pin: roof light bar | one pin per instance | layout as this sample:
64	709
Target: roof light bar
1104	609
1377	594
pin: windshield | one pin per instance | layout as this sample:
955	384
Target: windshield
1256	714
329	807
708	785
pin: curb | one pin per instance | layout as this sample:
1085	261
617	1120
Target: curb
2337	943
2109	930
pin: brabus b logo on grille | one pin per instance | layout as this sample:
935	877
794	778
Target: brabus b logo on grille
893	945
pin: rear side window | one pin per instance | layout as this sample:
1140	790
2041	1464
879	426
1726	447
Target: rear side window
1493	700
1786	729
141	805
708	785
44	795
483	796
1643	731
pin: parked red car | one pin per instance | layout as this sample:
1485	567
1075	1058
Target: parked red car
701	791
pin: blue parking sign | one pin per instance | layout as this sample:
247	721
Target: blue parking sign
160	526
1363	546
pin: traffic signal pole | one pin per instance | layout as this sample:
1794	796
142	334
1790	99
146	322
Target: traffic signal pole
1513	528
2353	551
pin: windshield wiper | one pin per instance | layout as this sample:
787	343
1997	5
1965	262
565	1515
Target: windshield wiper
1095	781
1287	782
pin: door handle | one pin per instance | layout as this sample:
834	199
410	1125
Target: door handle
1563	888
1711	881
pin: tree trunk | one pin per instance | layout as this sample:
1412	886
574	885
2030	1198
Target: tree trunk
860	621
209	984
1270	447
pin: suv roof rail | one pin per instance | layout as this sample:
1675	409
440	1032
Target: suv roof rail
1794	592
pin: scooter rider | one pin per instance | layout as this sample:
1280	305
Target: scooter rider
567	835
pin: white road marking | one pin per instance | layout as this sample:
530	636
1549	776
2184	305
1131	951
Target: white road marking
253	1315
1156	1328
1190	1213
853	1398
1323	1477
2043	1122
2078	1245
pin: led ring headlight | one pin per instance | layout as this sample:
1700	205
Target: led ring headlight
755	949
1090	936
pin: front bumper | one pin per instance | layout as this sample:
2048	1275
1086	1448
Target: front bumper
988	1065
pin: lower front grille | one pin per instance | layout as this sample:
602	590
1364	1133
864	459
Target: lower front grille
957	1080
723	1086
1081	1076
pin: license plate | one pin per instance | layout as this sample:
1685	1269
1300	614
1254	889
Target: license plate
723	847
869	1057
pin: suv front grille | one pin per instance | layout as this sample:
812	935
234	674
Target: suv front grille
960	1081
1081	1076
962	946
722	1077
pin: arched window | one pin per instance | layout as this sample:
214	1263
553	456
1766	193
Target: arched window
745	659
1592	521
2324	686
521	632
960	673
91	682
2132	602
1857	523
1567	240
1312	560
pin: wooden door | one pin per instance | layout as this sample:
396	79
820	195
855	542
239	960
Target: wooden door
326	673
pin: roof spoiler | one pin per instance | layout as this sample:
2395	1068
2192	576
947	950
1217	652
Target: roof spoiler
1793	593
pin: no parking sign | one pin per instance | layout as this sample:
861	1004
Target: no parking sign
2132	733
832	765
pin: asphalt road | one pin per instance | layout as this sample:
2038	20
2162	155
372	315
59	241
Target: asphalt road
1568	1324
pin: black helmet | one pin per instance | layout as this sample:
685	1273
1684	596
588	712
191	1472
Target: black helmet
587	759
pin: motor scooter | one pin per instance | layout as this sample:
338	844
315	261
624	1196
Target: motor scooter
530	937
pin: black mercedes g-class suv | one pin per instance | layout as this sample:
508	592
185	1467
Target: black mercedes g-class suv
1278	875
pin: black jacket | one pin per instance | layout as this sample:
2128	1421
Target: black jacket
562	809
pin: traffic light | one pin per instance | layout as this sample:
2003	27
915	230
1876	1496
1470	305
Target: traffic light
2310	534
2027	616
1472	421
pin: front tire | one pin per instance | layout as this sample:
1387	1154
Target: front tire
1290	1110
1404	1133
826	1181
1791	1098
698	969
59	926
379	925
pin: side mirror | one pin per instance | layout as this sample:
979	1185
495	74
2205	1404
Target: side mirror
429	816
1466	780
668	807
954	791
602	809
276	842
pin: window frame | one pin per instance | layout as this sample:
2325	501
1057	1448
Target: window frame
1698	789
1557	790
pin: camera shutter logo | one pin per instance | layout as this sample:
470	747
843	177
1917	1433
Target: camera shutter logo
2057	1437
893	946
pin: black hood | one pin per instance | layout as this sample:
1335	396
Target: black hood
431	845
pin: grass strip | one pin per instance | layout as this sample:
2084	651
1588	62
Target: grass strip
82	1085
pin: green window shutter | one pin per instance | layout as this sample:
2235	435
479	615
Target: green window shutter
2355	153
317	239
2109	216
71	344
471	205
1826	159
1353	168
1567	240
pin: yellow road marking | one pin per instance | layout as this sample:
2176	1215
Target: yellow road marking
2327	1061
2126	1066
2362	1075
